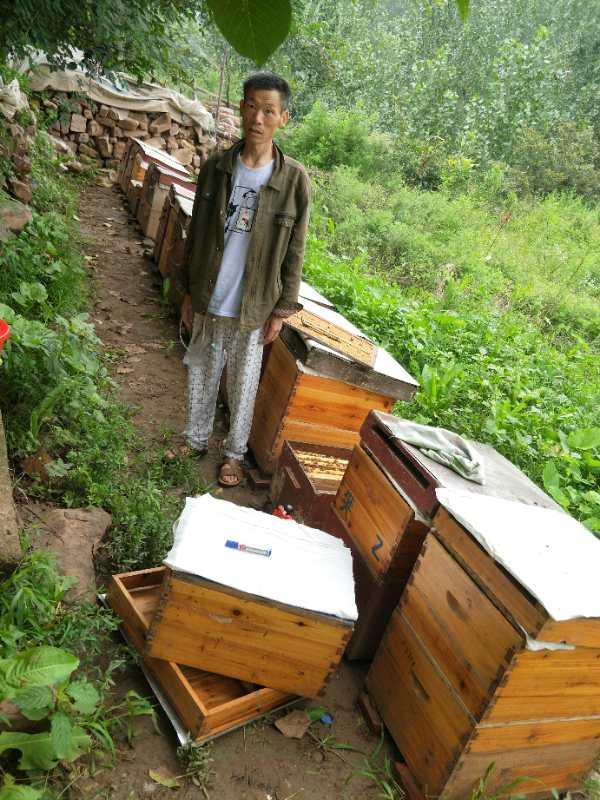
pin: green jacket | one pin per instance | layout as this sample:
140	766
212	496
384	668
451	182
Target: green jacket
276	250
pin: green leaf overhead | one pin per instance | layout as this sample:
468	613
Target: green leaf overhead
255	28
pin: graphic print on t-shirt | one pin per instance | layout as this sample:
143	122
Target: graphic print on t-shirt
241	209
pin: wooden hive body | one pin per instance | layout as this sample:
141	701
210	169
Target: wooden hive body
307	478
464	676
172	233
419	476
154	193
137	158
386	534
206	703
296	404
213	627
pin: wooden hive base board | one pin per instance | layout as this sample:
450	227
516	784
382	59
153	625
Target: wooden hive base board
207	704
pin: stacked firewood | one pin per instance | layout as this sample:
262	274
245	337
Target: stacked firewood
98	134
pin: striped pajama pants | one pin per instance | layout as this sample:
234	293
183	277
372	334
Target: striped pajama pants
217	341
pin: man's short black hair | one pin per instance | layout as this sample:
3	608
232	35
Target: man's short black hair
268	81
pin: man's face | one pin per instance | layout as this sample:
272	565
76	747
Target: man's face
262	115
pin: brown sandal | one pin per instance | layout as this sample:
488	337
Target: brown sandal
231	472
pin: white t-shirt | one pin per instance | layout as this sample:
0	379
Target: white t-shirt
226	298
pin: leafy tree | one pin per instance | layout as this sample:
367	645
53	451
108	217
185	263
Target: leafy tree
138	36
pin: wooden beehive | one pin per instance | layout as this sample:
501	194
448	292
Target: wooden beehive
466	675
298	404
132	192
307	478
154	193
139	156
207	704
171	239
386	533
419	476
214	627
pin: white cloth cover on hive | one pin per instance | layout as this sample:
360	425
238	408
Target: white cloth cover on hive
307	568
549	553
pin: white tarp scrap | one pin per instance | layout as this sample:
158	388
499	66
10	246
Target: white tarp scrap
307	568
12	98
552	555
147	97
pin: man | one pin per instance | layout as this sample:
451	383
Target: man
242	268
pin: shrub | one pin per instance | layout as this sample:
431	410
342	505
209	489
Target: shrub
566	158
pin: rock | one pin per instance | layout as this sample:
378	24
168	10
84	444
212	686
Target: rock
196	161
174	129
59	145
83	138
88	114
118	132
22	164
172	144
108	122
144	125
157	141
76	166
129	124
105	148
75	534
13	214
113	164
94	128
78	123
20	190
10	548
184	156
49	104
88	151
161	124
119	149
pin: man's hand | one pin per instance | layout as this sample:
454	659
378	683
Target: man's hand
187	312
271	329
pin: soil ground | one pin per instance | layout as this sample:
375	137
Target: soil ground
256	762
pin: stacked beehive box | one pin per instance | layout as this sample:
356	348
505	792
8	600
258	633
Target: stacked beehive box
211	644
324	405
383	509
472	669
157	181
207	703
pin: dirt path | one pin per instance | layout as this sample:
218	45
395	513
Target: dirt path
257	762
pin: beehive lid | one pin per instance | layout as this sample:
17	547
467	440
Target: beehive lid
307	568
548	552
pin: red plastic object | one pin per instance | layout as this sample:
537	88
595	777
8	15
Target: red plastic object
282	512
4	333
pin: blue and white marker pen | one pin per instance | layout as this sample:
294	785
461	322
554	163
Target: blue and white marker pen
258	551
